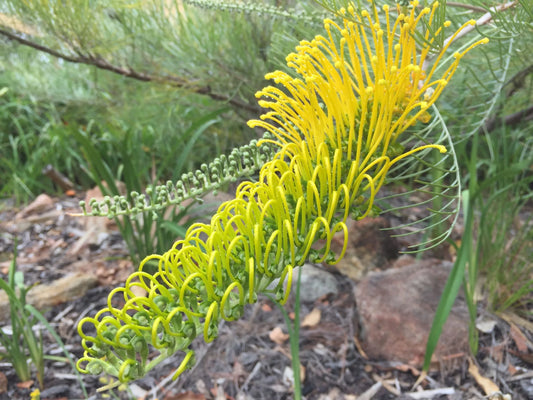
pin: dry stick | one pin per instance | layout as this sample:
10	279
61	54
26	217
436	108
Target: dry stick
518	80
483	20
254	372
509	120
466	6
57	177
102	63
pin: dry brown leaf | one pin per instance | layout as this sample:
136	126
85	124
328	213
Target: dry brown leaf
313	318
387	384
512	369
359	347
3	383
277	335
4	267
421	378
218	393
407	368
519	338
488	386
238	371
42	203
525	357
515	319
266	308
25	384
185	396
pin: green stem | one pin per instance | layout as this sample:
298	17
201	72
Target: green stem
295	341
294	337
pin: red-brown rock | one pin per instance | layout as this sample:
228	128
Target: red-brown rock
370	247
396	309
42	203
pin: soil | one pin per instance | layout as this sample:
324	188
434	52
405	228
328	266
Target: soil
250	359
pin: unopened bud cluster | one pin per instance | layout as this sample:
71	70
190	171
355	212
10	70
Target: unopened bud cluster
240	163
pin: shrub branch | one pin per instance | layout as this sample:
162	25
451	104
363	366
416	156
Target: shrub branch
101	63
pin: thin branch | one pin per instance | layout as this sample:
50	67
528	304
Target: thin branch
484	19
466	6
517	81
102	63
509	120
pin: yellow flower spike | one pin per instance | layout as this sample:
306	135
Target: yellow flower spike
336	120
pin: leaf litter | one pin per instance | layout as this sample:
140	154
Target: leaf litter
251	356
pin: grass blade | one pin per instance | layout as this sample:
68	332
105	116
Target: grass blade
451	289
52	332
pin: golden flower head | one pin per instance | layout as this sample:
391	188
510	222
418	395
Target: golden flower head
358	86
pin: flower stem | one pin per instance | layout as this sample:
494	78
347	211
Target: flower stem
294	337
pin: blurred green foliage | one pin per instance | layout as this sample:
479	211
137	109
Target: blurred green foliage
197	61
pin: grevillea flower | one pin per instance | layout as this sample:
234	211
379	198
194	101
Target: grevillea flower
336	122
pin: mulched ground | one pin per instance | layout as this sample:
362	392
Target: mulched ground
250	359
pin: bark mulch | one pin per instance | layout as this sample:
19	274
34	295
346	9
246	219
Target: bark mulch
251	358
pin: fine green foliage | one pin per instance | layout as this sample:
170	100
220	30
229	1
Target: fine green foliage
220	53
23	151
506	288
505	252
493	259
156	228
68	357
23	347
434	179
453	285
503	233
139	75
494	146
292	10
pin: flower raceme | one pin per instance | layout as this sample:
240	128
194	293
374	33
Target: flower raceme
353	98
357	88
